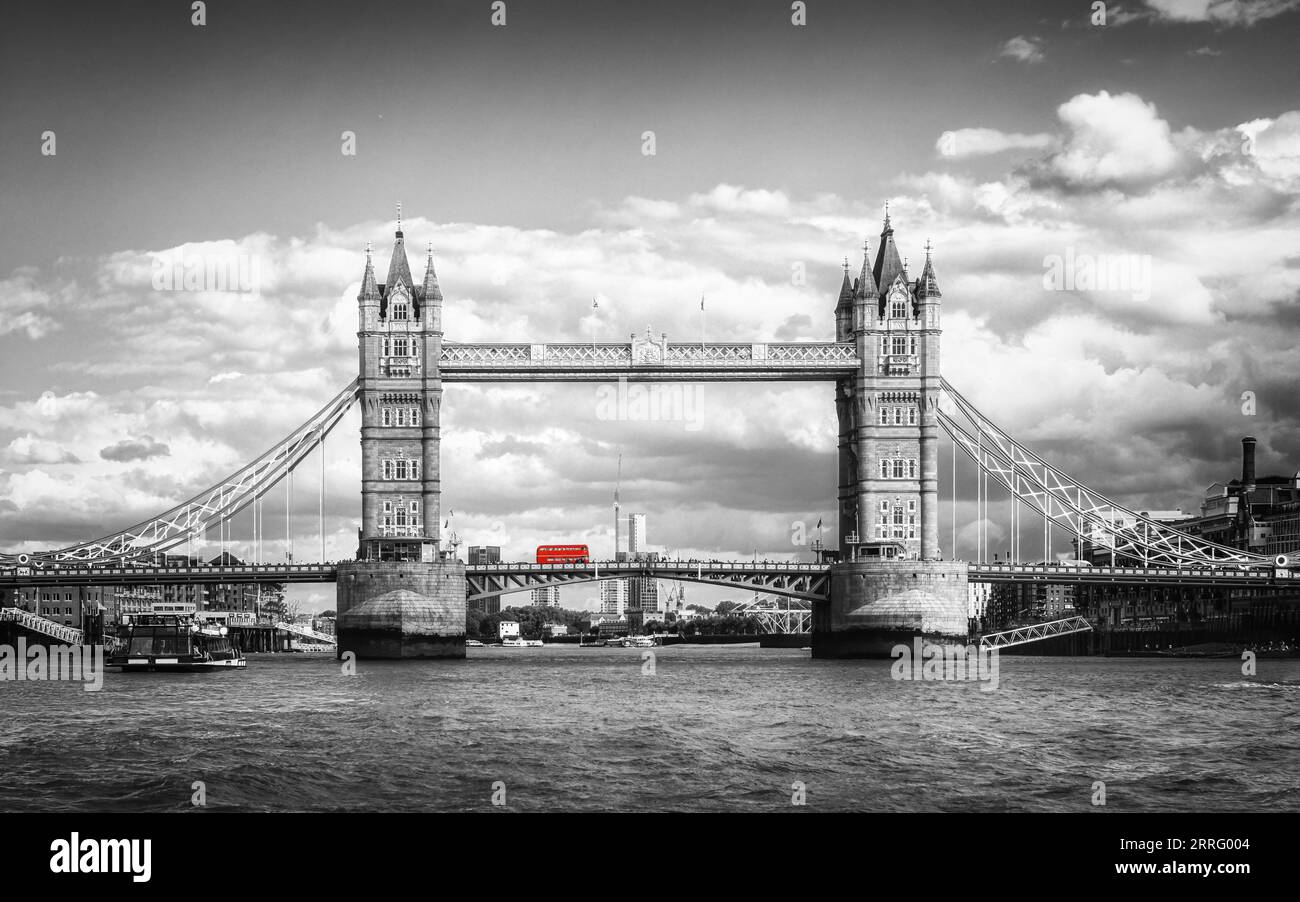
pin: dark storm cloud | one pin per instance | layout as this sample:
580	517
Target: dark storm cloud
142	448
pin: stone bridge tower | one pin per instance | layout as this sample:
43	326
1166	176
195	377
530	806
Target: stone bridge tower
401	598
400	338
889	470
888	425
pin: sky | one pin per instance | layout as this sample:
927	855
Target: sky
1164	142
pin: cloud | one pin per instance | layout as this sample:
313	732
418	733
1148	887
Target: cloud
972	142
1221	12
1273	145
142	448
1119	378
1023	49
24	307
1205	51
736	199
27	449
1112	140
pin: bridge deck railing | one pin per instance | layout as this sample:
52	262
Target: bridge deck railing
39	624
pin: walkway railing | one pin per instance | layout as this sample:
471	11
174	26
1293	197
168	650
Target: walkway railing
38	624
1035	633
293	628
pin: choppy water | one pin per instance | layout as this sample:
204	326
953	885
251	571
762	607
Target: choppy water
714	728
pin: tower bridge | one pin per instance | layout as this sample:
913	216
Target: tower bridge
405	595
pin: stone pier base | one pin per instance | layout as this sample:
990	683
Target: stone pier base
401	609
876	605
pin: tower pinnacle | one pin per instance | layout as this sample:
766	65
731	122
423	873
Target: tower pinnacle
432	293
928	285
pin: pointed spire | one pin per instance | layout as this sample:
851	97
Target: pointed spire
888	265
866	283
846	289
369	288
399	270
928	286
431	290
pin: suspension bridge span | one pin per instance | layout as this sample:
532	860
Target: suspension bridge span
888	579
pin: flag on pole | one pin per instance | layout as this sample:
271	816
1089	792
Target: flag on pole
819	522
701	300
593	302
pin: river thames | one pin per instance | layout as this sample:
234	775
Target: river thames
707	728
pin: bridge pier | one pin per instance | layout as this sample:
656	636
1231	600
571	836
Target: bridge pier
875	605
401	609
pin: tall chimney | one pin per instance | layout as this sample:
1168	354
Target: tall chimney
1248	464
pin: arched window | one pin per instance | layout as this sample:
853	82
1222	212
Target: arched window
884	469
388	469
415	469
388	347
415	416
401	416
898	468
415	508
911	468
911	416
884	416
898	308
401	311
912	344
401	516
401	469
898	416
386	416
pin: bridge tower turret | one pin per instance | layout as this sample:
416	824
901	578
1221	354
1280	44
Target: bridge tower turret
848	458
927	300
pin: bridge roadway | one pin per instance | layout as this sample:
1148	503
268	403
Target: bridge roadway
790	579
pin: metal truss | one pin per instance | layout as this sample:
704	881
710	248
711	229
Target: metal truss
1235	575
648	360
220	502
806	581
775	617
37	624
305	633
1039	631
1064	500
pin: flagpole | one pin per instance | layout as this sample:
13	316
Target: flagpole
594	306
701	323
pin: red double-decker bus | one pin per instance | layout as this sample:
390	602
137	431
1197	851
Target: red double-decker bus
563	554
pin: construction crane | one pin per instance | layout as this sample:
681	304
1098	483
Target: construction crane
617	482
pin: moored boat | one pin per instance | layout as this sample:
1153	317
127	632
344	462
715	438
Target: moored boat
176	644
